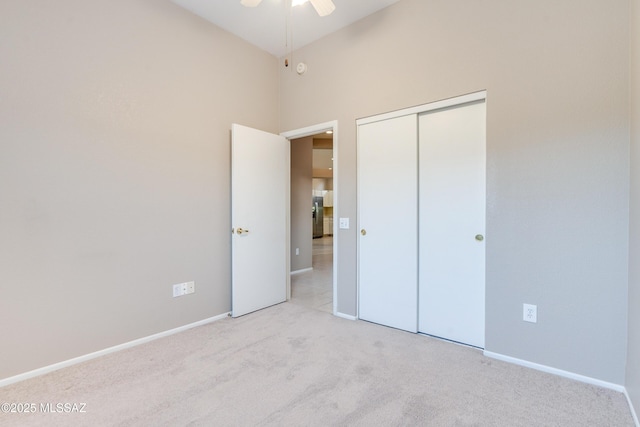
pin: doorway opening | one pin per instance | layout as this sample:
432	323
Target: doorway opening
313	199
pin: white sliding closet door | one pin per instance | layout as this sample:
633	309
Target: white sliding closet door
452	223
388	218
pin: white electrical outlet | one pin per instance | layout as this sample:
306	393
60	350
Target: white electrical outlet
530	313
183	289
177	290
297	251
191	287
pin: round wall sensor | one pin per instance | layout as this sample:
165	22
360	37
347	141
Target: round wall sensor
301	68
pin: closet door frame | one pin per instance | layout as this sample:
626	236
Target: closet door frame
418	109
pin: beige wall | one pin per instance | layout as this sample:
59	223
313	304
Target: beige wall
556	74
114	170
301	197
633	354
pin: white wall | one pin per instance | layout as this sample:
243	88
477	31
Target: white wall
633	354
557	75
114	170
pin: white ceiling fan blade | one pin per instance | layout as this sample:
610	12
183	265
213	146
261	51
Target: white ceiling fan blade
250	3
323	7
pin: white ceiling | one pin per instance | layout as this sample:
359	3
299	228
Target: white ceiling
266	26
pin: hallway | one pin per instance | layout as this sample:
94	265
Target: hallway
314	289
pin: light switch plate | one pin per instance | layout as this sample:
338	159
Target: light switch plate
344	223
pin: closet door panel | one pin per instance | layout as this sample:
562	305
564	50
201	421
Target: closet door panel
387	222
452	157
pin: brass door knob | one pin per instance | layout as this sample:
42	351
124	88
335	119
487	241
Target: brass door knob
363	232
479	237
242	230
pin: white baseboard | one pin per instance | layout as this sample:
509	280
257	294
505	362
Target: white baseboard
555	371
346	316
119	347
633	411
304	270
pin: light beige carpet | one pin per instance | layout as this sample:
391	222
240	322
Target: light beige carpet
289	365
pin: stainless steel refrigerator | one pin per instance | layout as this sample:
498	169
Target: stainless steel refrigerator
317	217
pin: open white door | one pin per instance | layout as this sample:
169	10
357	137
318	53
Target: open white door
259	211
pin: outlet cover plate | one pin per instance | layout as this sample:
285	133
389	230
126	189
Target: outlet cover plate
177	290
191	287
530	313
